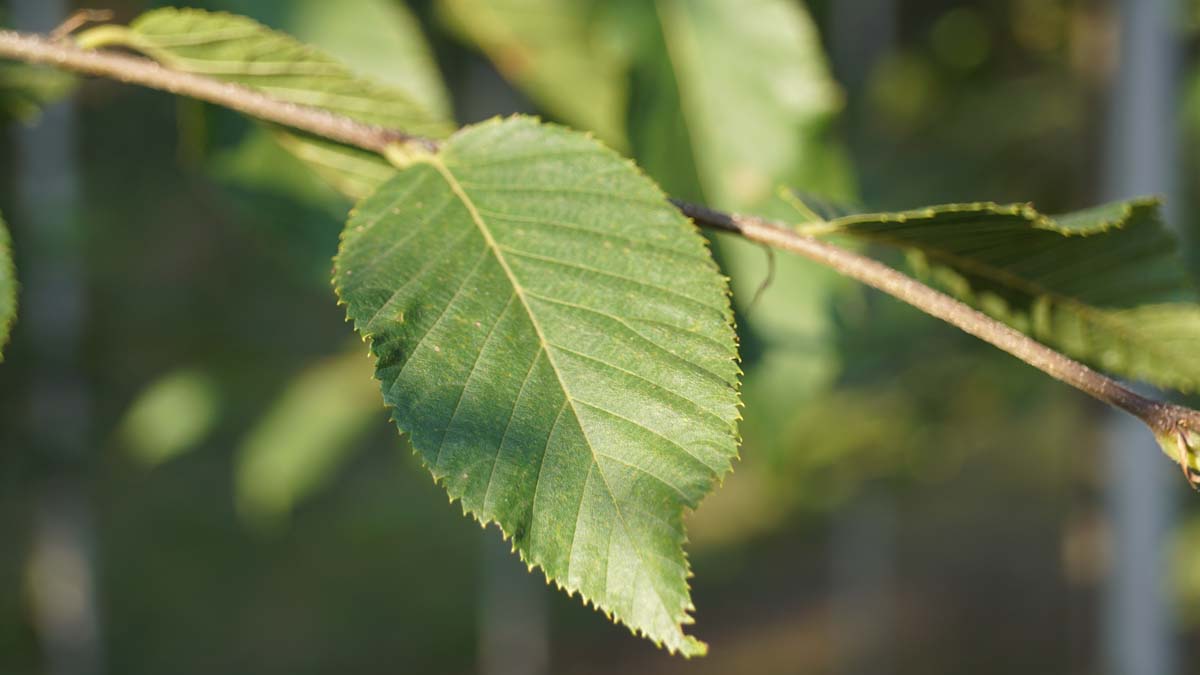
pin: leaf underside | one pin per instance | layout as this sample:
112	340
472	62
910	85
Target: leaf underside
557	342
8	288
1105	285
555	52
236	49
756	66
378	39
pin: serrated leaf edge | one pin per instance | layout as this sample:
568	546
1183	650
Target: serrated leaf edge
681	616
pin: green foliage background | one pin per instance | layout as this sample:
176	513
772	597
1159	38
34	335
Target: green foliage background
214	557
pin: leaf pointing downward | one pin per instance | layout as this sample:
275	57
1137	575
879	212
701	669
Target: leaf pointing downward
557	341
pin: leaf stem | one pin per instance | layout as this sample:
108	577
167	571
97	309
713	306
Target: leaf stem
1171	424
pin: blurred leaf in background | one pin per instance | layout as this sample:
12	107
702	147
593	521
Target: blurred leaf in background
305	435
319	419
754	96
567	56
171	416
378	39
714	83
25	90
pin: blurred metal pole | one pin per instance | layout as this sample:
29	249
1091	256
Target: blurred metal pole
1138	625
60	572
862	559
514	635
861	33
862	548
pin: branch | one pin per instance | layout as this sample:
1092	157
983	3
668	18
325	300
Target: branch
1172	424
1163	418
144	72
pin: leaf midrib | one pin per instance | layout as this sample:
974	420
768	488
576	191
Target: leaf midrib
440	166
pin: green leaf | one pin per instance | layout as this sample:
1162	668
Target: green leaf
1105	285
556	340
236	49
755	95
352	172
555	52
8	288
378	39
171	416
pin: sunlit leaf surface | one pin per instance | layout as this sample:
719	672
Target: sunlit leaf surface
555	339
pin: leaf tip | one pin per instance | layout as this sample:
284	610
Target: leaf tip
692	648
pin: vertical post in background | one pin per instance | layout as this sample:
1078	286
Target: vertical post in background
862	547
60	570
862	559
1138	627
514	636
861	33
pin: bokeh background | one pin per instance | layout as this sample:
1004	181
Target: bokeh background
197	476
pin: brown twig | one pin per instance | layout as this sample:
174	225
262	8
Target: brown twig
1171	423
78	20
135	70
